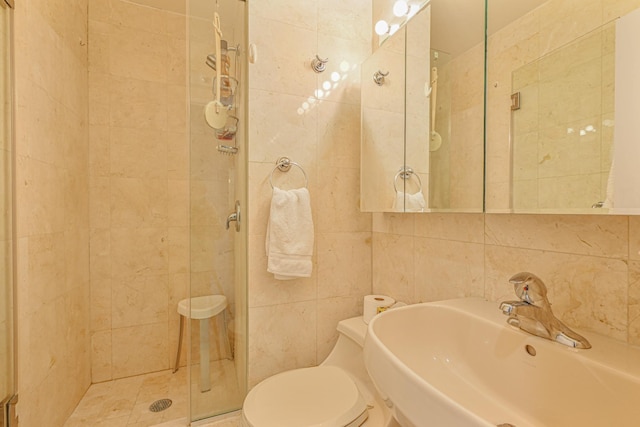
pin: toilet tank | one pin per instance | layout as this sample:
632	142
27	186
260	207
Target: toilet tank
347	354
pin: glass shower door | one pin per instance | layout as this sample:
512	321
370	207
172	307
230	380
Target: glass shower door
218	194
7	369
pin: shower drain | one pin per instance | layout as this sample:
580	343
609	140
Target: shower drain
160	405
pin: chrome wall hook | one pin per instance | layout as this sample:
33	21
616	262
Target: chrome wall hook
378	77
318	64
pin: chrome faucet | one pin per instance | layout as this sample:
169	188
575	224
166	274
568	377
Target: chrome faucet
532	313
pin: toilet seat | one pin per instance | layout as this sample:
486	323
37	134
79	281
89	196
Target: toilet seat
323	396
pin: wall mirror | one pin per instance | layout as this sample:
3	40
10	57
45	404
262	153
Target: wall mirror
562	108
422	147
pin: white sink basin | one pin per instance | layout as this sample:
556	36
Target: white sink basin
457	363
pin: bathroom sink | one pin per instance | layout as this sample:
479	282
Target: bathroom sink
458	363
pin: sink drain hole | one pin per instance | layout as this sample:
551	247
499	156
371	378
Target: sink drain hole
160	405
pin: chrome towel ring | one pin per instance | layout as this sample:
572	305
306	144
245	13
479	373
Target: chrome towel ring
283	164
406	173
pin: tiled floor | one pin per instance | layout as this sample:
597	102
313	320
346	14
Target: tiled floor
125	402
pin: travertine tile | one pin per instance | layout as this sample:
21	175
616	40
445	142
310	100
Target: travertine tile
138	251
286	47
303	14
634	303
563	20
136	102
138	54
99	150
128	14
349	19
278	130
330	312
344	264
148	354
587	235
394	223
278	342
393	268
138	202
339	134
634	237
338	201
460	227
178	200
99	93
447	269
618	8
139	301
340	82
101	356
137	153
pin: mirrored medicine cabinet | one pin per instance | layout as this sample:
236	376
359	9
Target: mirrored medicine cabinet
563	104
561	97
423	114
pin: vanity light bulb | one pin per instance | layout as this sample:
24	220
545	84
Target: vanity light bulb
400	8
381	27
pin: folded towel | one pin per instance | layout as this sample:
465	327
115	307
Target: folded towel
290	234
405	202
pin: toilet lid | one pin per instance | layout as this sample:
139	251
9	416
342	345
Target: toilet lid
323	396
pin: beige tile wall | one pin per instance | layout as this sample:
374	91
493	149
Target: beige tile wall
52	192
139	186
590	263
292	324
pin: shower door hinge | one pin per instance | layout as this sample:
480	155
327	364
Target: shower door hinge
515	101
9	416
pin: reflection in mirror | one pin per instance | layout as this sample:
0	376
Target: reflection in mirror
562	108
383	124
422	131
562	130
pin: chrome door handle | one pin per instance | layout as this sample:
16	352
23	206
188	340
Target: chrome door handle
235	216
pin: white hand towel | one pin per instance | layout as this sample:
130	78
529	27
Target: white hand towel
290	234
405	202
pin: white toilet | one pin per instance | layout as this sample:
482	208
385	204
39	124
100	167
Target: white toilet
338	393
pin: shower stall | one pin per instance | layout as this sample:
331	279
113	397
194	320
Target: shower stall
124	158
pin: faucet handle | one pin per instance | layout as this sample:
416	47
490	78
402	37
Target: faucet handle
529	288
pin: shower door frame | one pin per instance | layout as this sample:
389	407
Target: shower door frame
9	399
237	176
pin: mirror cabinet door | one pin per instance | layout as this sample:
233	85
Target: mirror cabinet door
423	129
562	107
382	106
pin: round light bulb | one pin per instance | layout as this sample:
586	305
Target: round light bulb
381	27
326	85
400	8
335	76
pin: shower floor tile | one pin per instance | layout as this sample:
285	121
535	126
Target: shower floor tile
125	402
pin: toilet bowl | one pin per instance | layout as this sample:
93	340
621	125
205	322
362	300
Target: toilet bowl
338	393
